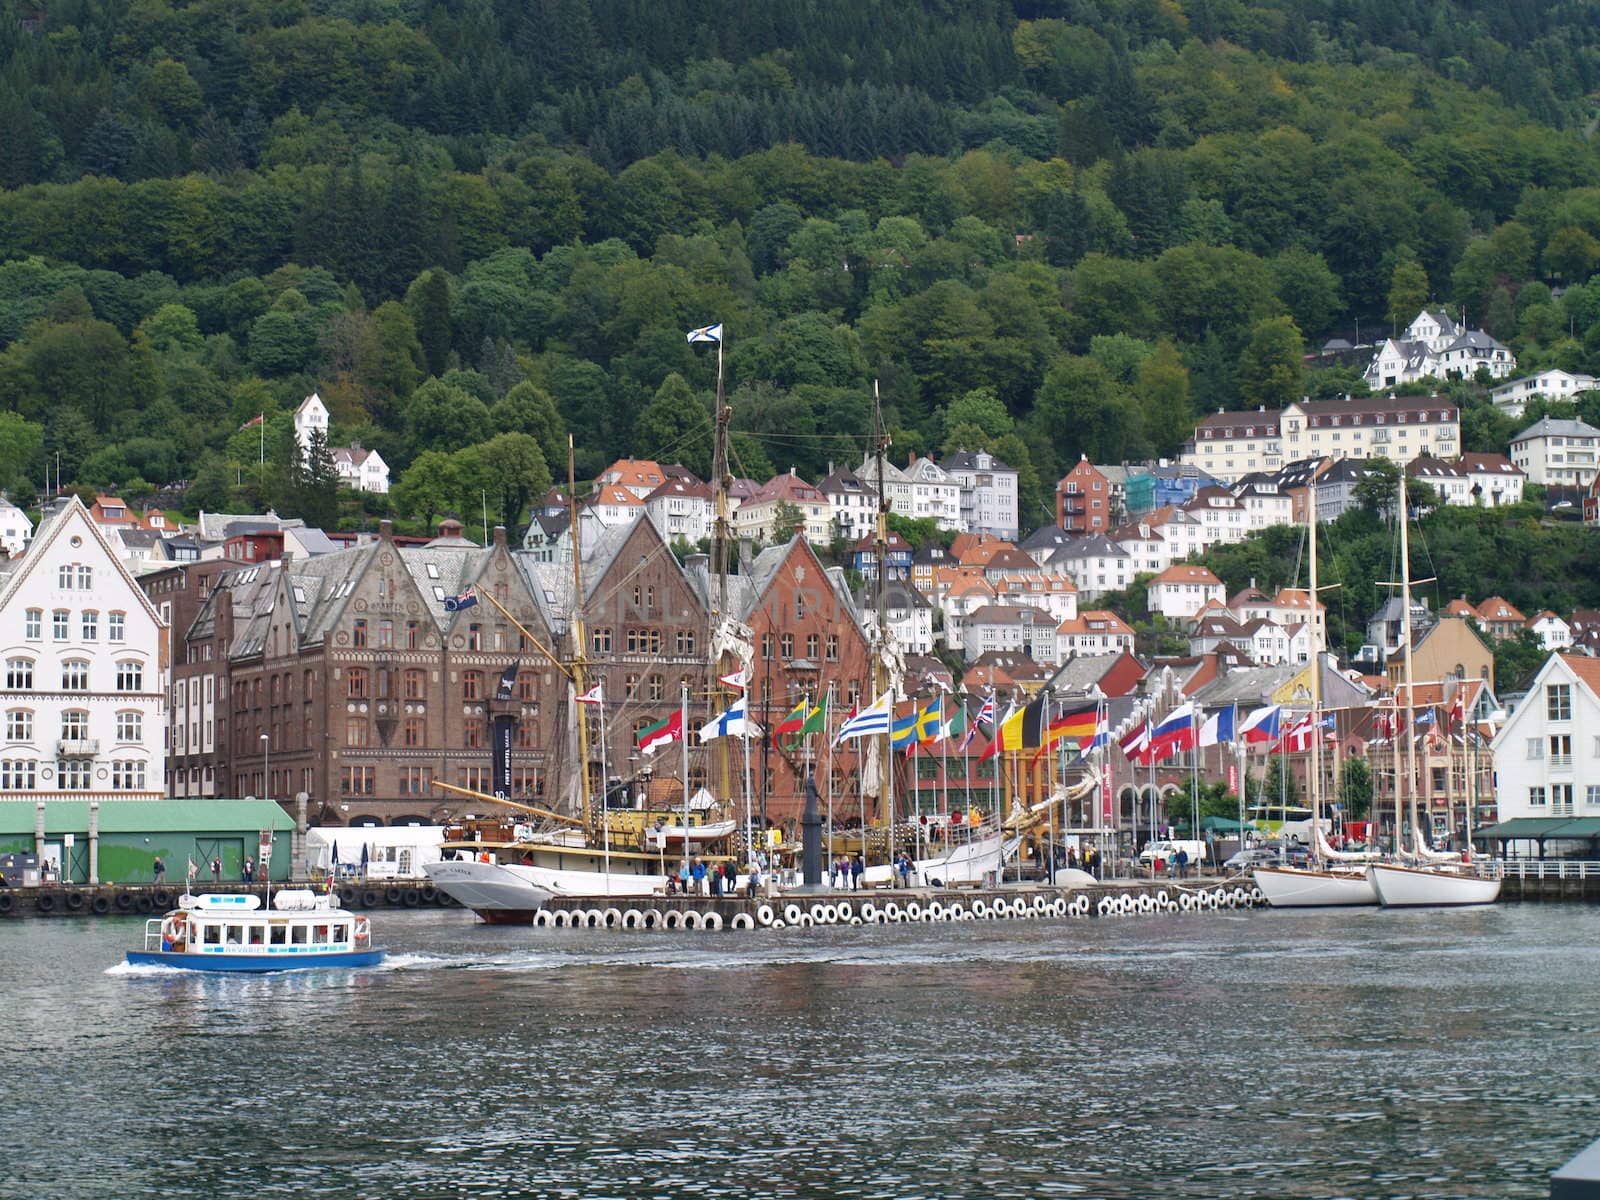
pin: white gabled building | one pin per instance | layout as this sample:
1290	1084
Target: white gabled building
988	492
1553	633
935	495
1512	396
682	510
1182	590
84	693
16	529
1434	346
1547	754
1557	452
361	469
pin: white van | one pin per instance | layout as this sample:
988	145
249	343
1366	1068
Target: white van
1167	850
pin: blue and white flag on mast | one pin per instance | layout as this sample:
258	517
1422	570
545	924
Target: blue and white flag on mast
876	718
732	723
706	333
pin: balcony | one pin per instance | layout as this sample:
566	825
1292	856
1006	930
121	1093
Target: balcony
77	747
1560	762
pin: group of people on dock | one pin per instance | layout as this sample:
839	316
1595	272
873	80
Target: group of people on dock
845	872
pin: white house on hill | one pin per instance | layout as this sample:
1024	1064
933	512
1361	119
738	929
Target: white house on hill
358	468
84	693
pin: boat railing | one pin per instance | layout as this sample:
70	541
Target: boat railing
1539	868
152	934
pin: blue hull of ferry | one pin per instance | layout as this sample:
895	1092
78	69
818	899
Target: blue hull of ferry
254	963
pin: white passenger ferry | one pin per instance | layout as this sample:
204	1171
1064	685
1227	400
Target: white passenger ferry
215	932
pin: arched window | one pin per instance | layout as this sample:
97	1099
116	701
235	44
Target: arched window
75	675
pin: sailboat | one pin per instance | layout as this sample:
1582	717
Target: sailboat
1431	879
1325	883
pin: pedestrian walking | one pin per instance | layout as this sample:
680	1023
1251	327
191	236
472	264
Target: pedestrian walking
161	869
857	870
698	874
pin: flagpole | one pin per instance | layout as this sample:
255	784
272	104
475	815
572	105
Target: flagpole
1194	777
827	715
605	792
944	767
749	834
683	723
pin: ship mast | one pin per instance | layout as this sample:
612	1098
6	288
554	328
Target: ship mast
1316	691
719	563
579	661
880	665
1405	644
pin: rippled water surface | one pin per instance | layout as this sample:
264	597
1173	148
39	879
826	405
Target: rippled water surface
1250	1054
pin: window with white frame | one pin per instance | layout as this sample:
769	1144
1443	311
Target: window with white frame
74	725
19	674
33	624
75	675
116	626
18	774
89	624
72	774
19	725
1535	749
1536	797
130	676
127	776
130	726
61	624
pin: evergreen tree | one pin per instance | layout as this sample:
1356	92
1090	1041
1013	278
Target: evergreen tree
430	311
313	487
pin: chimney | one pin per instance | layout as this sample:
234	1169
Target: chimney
449	528
386	529
697	562
499	535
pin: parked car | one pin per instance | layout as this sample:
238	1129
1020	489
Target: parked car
1255	856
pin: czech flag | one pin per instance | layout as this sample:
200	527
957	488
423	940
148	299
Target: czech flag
1263	725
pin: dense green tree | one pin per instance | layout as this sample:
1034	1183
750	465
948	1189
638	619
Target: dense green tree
675	426
1408	292
1272	365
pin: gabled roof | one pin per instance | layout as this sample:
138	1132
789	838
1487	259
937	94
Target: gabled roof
786	488
681	489
1556	427
1497	608
1045	536
1097	622
1184	573
966	460
1096	545
1010	614
1488	464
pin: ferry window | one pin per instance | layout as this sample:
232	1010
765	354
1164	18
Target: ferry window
280	935
235	935
341	933
319	935
213	935
255	935
298	935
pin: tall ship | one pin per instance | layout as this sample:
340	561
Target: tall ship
689	793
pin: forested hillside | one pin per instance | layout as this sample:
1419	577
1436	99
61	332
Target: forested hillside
1053	227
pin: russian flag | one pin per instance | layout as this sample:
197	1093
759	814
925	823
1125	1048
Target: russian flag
1263	725
1175	734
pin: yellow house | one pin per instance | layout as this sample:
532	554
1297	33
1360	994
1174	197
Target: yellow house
1450	648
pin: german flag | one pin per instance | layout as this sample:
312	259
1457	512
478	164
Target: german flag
1076	722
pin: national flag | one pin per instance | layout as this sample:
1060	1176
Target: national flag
706	333
804	718
1013	713
1298	737
1426	717
508	682
194	870
732	723
1219	727
595	695
1008	735
903	730
873	719
1262	725
1176	732
253	422
930	721
985	717
958	725
1136	744
465	600
660	733
1458	706
1079	722
736	681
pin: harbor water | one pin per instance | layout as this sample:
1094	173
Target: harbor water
1250	1054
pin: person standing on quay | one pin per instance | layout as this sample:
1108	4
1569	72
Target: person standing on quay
160	869
216	870
249	872
857	870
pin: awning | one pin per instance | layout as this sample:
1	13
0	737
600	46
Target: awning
1222	825
1539	829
